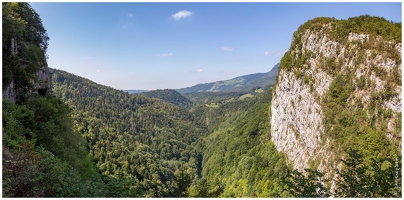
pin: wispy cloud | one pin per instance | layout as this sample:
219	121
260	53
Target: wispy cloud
227	49
199	70
98	70
127	20
182	14
274	53
165	54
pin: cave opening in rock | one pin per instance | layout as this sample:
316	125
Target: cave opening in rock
42	91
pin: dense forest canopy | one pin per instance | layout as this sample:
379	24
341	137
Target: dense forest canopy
90	140
170	96
132	136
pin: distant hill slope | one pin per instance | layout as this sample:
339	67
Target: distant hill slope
170	96
238	84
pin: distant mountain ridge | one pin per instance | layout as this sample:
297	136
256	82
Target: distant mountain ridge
238	84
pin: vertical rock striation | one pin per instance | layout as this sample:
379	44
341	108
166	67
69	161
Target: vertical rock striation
316	57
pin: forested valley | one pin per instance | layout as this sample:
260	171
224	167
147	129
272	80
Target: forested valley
83	139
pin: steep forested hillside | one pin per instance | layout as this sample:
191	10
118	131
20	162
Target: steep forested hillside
239	160
42	154
147	141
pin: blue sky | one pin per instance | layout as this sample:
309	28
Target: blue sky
175	45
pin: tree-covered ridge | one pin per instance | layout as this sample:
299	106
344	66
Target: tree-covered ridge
382	36
365	24
130	136
170	96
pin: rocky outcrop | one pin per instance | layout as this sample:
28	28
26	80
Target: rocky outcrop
41	82
296	123
10	92
307	70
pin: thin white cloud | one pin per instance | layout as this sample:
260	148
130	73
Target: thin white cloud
98	70
129	15
182	14
227	49
274	53
165	54
199	70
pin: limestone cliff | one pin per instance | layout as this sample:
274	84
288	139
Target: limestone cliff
41	83
338	82
25	41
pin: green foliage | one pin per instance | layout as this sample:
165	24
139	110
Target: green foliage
381	178
36	163
239	160
310	185
351	125
131	136
170	96
183	180
286	62
211	97
340	29
24	46
205	188
386	177
353	180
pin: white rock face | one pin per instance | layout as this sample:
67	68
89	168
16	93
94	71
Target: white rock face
296	122
296	114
